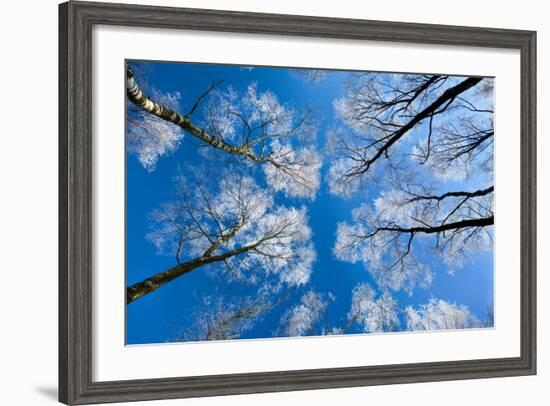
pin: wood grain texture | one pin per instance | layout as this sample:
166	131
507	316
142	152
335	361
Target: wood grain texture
76	20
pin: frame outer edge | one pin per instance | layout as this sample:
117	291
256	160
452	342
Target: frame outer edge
529	197
80	183
64	367
75	202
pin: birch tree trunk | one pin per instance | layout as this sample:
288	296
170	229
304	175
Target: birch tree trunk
154	282
136	96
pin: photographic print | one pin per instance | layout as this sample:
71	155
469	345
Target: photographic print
273	202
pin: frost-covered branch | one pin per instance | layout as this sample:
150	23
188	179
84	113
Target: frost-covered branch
385	236
459	145
310	75
438	314
301	319
225	317
373	314
150	137
451	119
251	125
230	226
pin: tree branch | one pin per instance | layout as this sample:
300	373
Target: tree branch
481	192
136	96
154	282
480	222
447	96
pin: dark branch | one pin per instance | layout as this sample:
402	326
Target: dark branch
201	98
442	101
481	192
480	222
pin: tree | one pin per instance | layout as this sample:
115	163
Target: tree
251	126
450	117
438	314
301	319
489	315
228	317
450	128
219	320
372	314
384	235
150	137
310	75
230	226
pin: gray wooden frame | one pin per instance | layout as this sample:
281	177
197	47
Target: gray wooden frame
76	20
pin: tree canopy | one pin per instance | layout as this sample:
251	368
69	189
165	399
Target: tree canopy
424	131
305	202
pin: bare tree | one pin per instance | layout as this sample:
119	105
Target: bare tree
381	314
384	235
252	126
228	317
230	227
373	314
308	317
417	211
489	315
451	119
438	314
368	312
313	76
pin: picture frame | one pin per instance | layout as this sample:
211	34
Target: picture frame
76	352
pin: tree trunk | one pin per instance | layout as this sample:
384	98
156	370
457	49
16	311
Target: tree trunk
136	96
154	282
148	285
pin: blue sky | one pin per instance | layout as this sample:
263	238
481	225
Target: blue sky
154	317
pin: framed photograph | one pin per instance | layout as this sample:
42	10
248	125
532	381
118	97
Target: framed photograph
258	203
